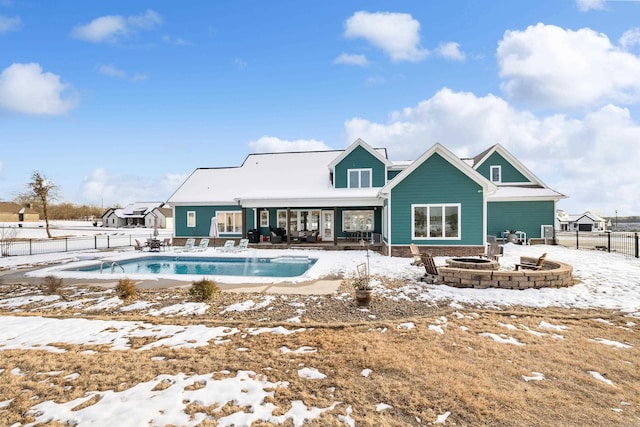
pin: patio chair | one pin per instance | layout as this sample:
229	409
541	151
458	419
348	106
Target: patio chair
228	246
188	245
139	246
204	244
415	252
431	271
166	242
494	251
532	266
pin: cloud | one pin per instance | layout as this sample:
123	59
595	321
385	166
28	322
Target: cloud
572	155
25	88
112	28
450	50
397	34
552	67
116	73
587	5
176	41
630	38
101	187
10	24
272	144
111	71
351	59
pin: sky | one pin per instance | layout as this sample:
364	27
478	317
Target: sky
118	102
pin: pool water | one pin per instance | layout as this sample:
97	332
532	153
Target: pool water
207	266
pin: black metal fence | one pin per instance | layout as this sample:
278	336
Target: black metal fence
625	243
14	247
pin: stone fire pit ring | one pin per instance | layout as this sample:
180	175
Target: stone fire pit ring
473	263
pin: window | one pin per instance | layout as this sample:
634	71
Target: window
300	220
229	222
264	218
191	218
436	221
496	174
357	220
359	178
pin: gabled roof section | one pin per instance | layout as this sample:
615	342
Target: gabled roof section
497	148
359	143
448	156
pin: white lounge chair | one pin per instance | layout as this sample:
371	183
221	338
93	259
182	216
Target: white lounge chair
188	245
242	245
228	246
204	244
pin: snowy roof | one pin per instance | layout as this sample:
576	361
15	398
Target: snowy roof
268	180
514	193
142	207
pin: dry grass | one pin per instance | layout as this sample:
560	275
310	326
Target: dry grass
420	372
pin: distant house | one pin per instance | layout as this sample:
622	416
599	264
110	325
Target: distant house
440	202
141	214
587	221
13	212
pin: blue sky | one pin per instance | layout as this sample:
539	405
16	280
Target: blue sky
119	101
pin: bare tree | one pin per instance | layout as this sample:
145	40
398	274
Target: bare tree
7	239
44	191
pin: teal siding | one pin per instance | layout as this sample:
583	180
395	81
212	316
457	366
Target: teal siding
203	220
519	216
392	174
437	181
508	171
360	158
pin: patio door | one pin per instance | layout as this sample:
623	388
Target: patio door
327	225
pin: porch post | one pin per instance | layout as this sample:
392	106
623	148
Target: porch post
244	223
335	228
288	226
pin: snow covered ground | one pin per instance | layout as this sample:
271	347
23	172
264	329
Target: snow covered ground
606	281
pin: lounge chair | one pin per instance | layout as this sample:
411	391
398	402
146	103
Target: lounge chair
431	271
228	246
242	245
166	242
204	244
415	252
494	251
188	245
532	266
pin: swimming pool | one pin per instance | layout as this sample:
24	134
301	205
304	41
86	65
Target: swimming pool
284	266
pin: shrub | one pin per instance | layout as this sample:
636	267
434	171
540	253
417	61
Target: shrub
126	289
52	285
203	290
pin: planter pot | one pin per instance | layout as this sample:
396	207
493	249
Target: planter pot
363	296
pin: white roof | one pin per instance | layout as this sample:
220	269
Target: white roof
274	179
516	193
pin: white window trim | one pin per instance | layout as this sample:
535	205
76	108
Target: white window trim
224	223
360	170
499	168
435	205
191	214
358	212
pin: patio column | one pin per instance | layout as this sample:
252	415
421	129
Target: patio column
244	223
335	228
288	226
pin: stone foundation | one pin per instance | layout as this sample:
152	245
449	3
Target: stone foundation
553	274
451	251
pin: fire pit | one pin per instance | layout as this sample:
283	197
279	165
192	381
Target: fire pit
473	263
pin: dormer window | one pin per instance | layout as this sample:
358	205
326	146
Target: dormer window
359	178
496	174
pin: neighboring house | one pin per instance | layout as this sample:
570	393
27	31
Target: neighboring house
13	212
443	203
159	218
133	215
586	221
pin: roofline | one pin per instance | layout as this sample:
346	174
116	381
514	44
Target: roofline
438	148
350	148
513	160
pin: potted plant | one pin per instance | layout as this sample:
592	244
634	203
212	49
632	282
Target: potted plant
363	290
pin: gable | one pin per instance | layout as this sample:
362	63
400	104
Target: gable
359	158
509	173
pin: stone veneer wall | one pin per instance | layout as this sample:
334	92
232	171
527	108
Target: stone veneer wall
553	274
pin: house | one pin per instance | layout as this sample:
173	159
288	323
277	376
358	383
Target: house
587	221
440	202
141	214
13	212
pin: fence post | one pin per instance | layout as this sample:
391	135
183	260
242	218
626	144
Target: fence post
107	241
577	240
636	245
609	242
95	242
66	244
30	248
